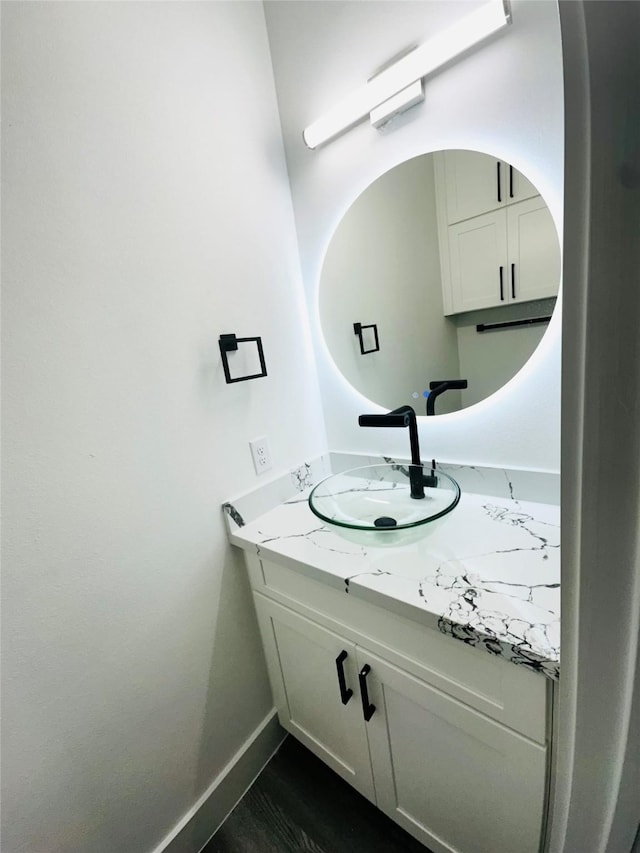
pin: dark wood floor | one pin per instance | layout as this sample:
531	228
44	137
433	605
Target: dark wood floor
299	804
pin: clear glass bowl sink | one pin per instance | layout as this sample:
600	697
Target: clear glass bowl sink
374	503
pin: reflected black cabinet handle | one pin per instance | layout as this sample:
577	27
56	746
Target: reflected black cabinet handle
367	707
510	181
501	284
345	692
513	281
499	185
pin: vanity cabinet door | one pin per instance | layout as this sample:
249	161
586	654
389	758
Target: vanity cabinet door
476	183
302	659
450	776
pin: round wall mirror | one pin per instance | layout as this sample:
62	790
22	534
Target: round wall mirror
439	282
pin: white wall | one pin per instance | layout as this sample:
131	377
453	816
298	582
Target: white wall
504	98
383	266
145	211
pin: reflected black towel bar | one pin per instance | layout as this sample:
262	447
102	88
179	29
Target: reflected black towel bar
489	327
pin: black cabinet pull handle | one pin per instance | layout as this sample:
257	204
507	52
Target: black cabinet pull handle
345	692
367	707
499	186
513	281
510	181
501	284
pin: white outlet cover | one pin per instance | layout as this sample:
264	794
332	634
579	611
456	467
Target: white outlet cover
261	454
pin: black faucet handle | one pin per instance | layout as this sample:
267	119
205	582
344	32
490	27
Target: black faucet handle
431	480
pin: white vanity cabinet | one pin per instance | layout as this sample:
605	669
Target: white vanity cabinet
449	742
506	256
471	184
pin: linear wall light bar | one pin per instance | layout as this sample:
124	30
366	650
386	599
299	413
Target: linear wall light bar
420	62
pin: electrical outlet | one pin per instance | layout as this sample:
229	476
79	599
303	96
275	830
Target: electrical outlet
261	454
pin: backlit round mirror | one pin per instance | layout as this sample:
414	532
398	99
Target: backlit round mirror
439	282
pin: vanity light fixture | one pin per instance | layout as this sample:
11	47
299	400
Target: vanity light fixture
396	88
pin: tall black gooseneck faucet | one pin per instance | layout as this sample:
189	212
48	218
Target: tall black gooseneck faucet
402	417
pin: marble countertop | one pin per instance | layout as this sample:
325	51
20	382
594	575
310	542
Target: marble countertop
487	574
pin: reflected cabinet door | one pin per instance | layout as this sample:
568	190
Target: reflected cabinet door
479	262
450	776
534	251
315	685
477	183
506	256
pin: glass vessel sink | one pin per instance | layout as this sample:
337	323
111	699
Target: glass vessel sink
373	504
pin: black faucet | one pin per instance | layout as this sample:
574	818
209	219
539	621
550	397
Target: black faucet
405	416
437	387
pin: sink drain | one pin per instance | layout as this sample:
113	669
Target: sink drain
385	521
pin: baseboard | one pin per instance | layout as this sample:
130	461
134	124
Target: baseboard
197	826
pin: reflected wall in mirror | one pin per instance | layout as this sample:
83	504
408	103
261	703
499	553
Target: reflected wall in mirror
430	253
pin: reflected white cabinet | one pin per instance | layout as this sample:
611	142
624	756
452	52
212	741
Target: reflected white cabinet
534	251
457	780
473	183
478	262
505	256
498	242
